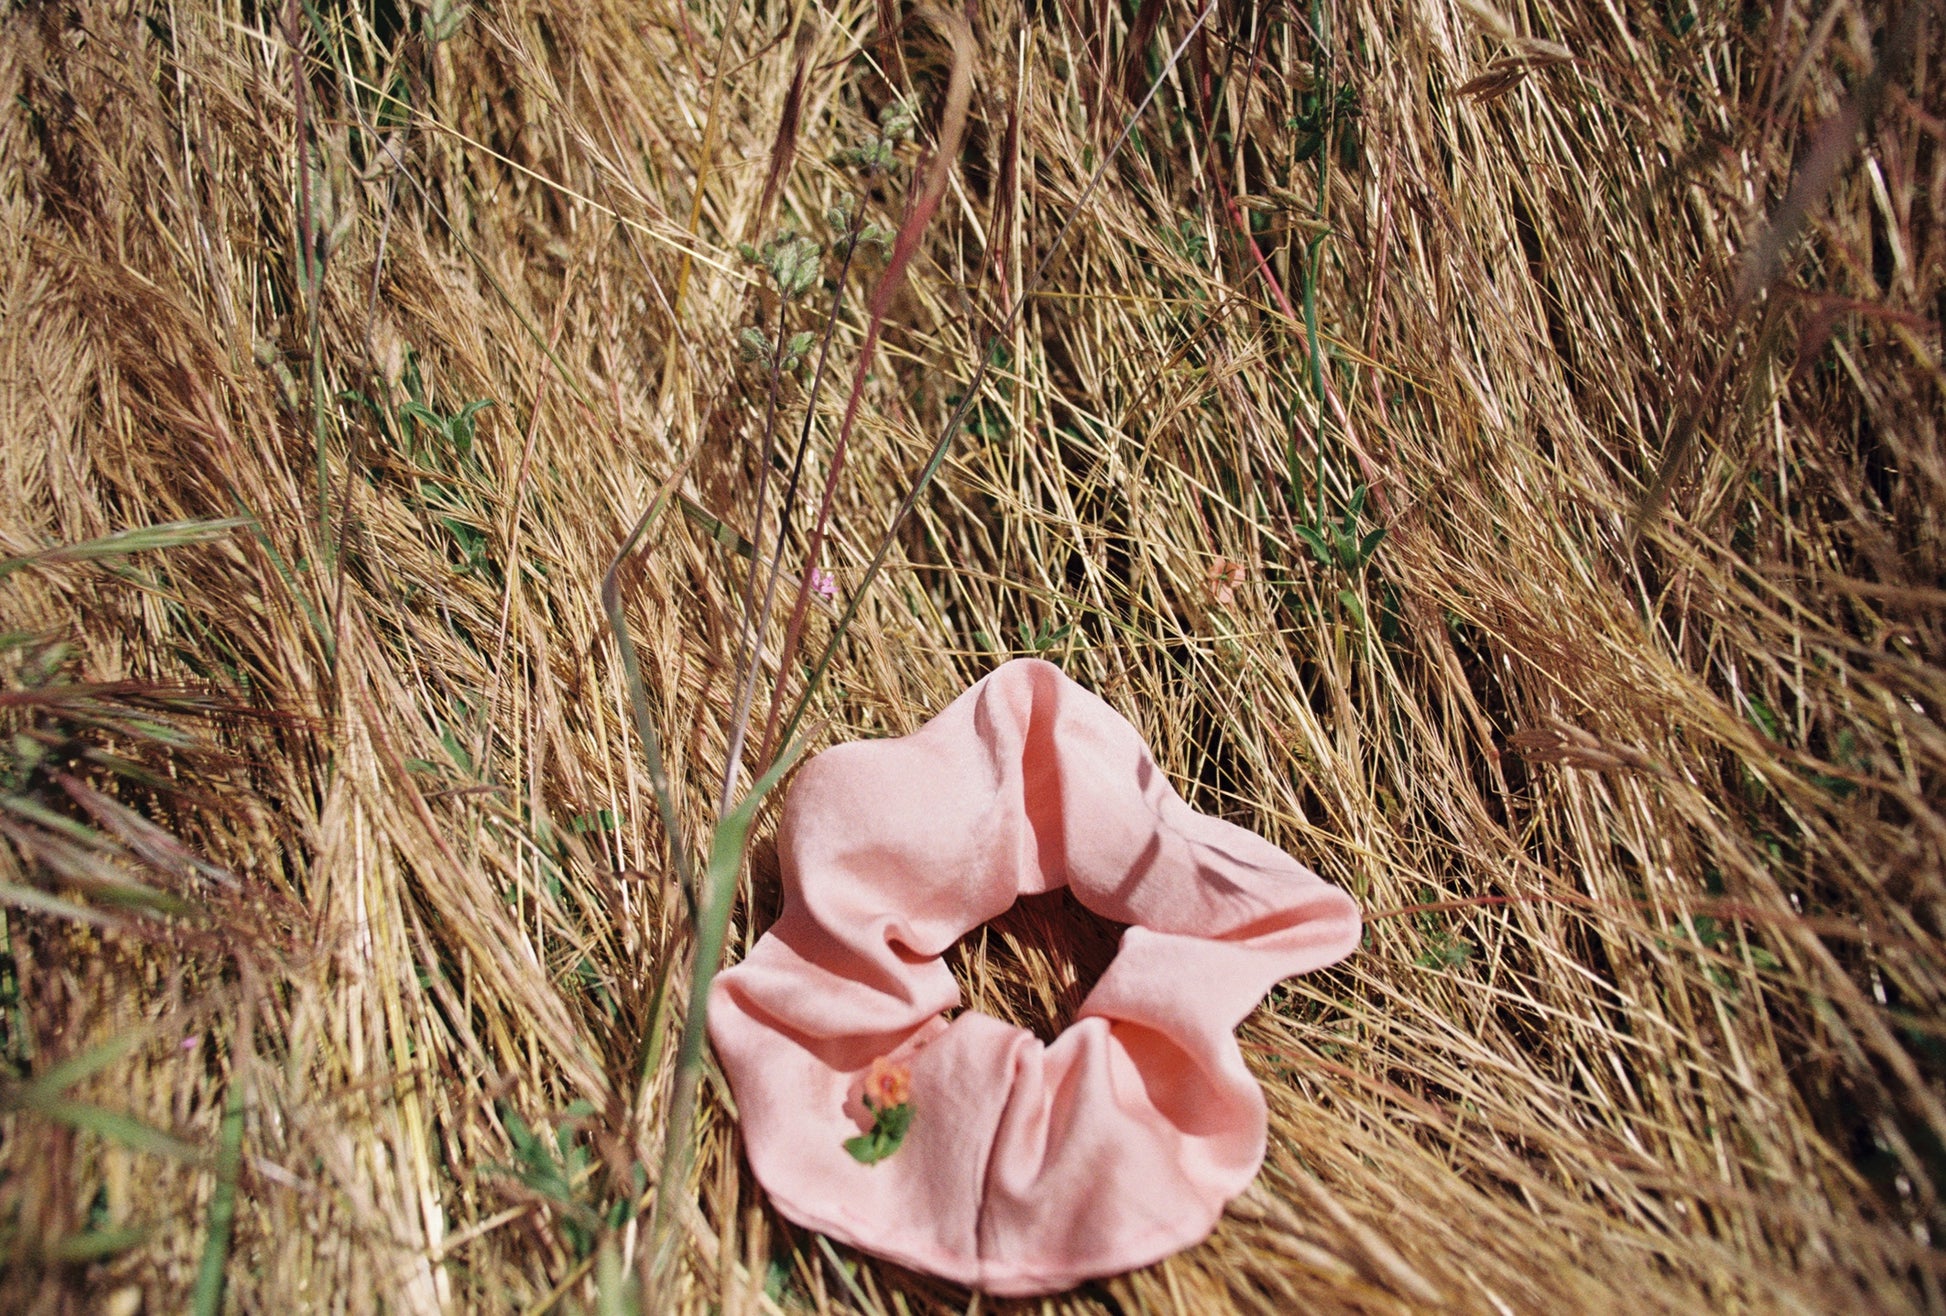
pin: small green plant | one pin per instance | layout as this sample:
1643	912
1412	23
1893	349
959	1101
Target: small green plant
454	432
897	123
1322	110
1341	545
756	346
791	261
1188	240
1445	949
440	446
1038	642
560	1169
601	820
1762	718
779	1284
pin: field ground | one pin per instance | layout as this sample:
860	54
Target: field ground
344	966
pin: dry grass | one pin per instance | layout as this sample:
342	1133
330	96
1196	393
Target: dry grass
1647	825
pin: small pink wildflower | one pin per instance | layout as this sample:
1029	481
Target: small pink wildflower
189	1043
1224	579
823	583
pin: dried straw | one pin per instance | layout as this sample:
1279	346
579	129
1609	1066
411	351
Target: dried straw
1626	732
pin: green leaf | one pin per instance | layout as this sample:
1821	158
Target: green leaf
889	1127
1353	606
420	412
1762	718
49	1086
865	1148
1446	953
777	1278
898	120
895	1121
207	1298
716	898
1315	542
462	426
1347	549
97	1244
117	1126
141	539
602	820
27	897
753	344
1350	152
442	20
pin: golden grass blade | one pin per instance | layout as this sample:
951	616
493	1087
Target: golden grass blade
918	483
611	601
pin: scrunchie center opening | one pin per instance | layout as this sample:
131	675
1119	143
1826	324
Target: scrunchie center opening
1034	965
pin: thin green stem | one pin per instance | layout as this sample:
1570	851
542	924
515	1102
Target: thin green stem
1313	253
788	505
206	1299
714	905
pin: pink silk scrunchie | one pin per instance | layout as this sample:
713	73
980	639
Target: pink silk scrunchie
1028	1168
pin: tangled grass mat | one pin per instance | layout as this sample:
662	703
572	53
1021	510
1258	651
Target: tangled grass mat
1494	451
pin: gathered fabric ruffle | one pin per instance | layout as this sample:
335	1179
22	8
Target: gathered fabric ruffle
1028	1167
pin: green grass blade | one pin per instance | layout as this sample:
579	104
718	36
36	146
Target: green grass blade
27	897
50	1085
207	1298
139	539
716	901
115	1125
97	1245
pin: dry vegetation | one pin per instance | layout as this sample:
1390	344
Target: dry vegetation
344	963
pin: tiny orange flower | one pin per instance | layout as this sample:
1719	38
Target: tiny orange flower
887	1084
888	1096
